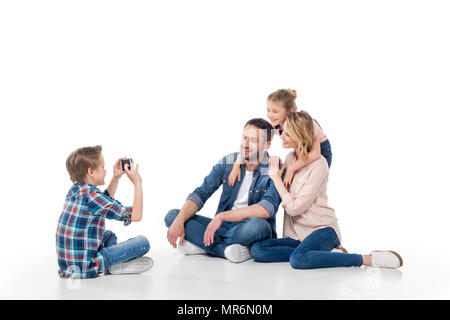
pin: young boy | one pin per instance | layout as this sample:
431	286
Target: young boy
84	249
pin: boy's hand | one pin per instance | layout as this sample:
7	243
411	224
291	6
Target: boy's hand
117	171
133	173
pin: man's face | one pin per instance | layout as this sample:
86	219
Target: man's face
253	144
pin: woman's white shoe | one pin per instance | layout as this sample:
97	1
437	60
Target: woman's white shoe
386	259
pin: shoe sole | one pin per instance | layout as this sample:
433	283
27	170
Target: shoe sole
394	253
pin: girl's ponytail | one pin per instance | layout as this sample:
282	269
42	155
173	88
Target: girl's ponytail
286	97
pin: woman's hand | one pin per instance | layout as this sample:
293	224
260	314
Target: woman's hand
288	177
274	170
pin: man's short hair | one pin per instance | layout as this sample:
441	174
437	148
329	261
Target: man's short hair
80	160
260	123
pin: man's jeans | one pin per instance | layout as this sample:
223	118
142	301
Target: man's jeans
114	253
244	233
312	252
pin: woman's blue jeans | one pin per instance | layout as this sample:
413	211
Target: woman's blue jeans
114	253
313	252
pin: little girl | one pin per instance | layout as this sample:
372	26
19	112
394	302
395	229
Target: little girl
280	104
310	229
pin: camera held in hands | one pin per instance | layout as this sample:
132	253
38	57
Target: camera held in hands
125	162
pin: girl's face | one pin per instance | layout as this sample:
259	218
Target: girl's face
276	113
288	142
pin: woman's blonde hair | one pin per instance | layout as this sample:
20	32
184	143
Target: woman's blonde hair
286	97
300	127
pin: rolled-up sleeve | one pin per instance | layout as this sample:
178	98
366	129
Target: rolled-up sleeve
102	204
271	200
270	208
196	198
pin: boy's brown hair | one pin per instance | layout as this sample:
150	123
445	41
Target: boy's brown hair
80	160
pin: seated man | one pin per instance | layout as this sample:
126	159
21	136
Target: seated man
246	211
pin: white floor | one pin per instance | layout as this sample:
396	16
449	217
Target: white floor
175	276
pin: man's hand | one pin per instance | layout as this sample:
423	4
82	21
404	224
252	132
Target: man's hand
176	231
215	224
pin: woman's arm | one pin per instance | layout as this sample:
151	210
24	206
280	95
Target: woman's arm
312	156
302	195
275	173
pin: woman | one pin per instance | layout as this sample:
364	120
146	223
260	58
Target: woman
310	229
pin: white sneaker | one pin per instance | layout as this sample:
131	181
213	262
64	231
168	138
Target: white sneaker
137	265
189	248
237	253
386	259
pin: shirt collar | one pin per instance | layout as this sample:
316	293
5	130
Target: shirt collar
263	166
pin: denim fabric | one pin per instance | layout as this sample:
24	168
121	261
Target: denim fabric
325	150
114	253
313	252
245	232
262	190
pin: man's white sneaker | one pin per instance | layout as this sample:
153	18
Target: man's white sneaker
386	259
237	253
189	248
137	265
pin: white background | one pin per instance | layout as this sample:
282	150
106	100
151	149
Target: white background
172	83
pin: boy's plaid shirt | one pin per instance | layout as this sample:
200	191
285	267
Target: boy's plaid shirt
80	230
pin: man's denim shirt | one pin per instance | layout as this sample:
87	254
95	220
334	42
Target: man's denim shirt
262	190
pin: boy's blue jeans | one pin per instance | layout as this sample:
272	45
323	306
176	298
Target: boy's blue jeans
312	252
114	253
244	233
